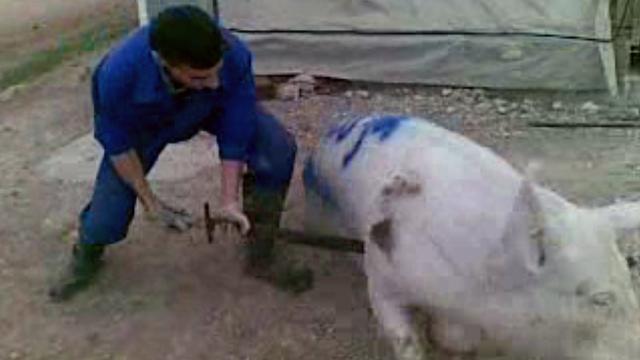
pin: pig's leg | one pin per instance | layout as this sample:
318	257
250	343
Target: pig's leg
396	322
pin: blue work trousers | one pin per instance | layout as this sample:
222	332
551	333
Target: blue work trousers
106	218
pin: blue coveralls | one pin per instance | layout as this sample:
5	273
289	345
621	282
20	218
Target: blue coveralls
134	109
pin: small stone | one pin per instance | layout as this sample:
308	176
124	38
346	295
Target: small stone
8	129
70	236
288	92
49	136
418	97
108	356
303	78
468	99
11	92
14	355
48	223
93	337
525	111
348	94
527	106
305	82
483	107
478	93
503	110
500	102
364	94
84	74
450	109
446	92
557	105
590	107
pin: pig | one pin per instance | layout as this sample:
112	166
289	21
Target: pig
498	264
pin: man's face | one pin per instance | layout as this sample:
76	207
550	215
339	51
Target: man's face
196	79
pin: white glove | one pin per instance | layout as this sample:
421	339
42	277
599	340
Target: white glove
229	216
171	217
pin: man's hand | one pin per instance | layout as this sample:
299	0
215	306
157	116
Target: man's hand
229	217
230	214
169	216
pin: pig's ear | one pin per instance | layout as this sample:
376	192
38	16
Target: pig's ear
623	216
524	235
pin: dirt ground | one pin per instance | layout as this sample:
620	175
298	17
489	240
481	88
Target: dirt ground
29	26
168	296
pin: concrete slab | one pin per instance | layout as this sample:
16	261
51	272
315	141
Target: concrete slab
78	161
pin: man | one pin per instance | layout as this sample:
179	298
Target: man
163	84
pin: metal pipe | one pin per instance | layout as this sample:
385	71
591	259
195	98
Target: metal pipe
328	242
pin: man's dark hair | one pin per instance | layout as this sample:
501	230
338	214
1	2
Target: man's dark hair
187	35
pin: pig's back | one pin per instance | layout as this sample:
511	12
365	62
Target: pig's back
457	218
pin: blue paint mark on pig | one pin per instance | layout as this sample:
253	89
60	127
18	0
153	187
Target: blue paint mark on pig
383	126
342	130
313	182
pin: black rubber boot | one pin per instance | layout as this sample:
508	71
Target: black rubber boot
264	210
86	261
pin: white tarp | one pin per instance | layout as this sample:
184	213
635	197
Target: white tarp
556	17
150	8
546	44
557	44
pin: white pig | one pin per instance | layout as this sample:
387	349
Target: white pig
498	264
